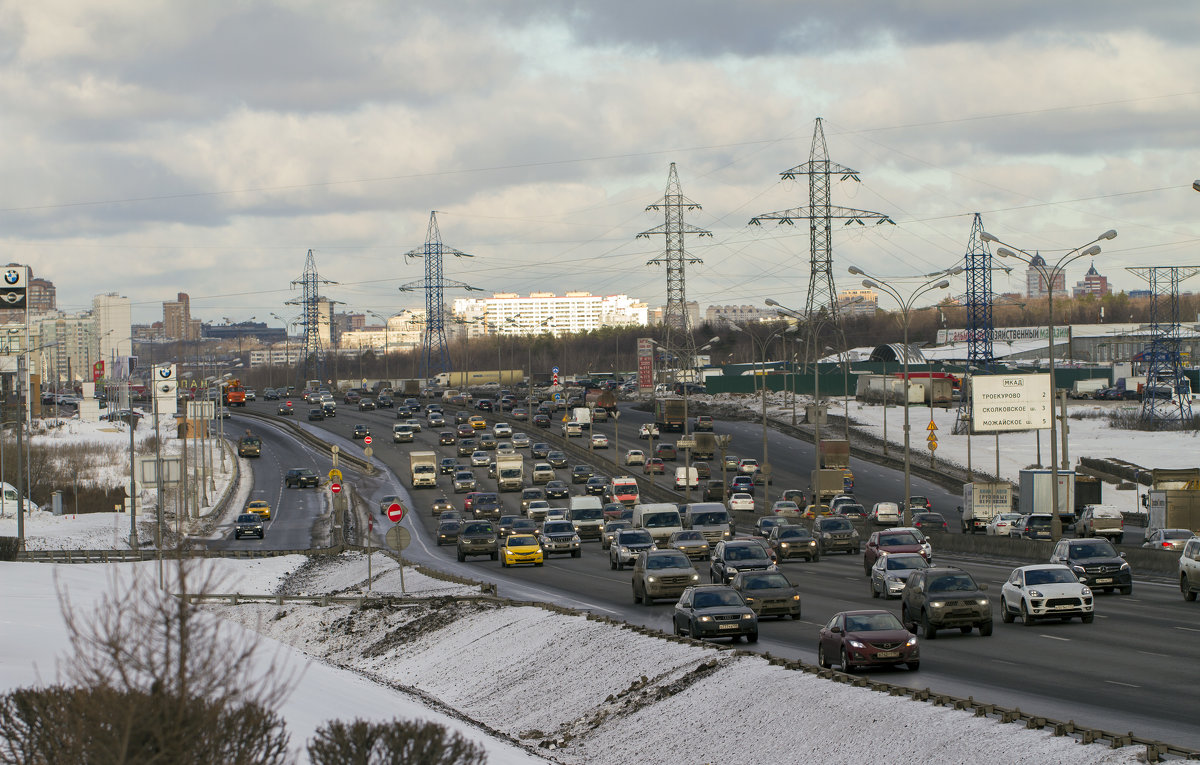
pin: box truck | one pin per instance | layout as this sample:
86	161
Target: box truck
423	468
981	502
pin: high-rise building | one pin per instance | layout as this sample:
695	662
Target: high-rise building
738	314
1035	283
1093	284
857	302
111	313
508	313
177	319
41	296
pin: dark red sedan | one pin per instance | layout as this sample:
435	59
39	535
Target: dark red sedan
858	638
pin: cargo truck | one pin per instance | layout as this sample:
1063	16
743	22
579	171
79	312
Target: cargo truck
706	446
1174	500
826	484
583	416
510	472
423	467
668	414
981	502
835	453
1088	387
467	379
1036	493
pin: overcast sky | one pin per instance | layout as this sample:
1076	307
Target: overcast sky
156	147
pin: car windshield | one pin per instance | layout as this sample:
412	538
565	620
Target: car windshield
929	518
247	518
1049	576
667	561
835	524
710	519
1096	550
716	599
1037	520
952	583
588	514
765	582
521	541
786	506
688	536
559	527
1177	534
794	532
478	528
905	562
872	622
891	540
744	552
635	538
660	520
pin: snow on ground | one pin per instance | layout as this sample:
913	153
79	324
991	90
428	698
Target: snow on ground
599	693
36	643
347	573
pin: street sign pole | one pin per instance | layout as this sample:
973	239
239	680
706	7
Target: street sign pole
370	528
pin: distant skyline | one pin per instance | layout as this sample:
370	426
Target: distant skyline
156	148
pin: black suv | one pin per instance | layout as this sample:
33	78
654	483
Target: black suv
581	473
248	524
300	477
487	504
943	598
836	533
734	556
1096	562
477	538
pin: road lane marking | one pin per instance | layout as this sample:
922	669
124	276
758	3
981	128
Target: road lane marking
1189	629
1055	637
1123	685
1002	661
1152	653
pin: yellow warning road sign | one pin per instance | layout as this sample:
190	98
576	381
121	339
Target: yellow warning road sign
335	475
932	425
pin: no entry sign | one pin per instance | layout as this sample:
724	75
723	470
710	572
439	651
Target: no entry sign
395	512
367	440
335	487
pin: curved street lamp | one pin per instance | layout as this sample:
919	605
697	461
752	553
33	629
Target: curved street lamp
1049	274
933	281
762	346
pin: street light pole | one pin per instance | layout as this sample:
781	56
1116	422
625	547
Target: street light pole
933	282
1049	274
762	346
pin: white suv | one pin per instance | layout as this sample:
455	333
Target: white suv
1189	569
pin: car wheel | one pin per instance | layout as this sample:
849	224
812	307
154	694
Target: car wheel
1127	590
874	592
576	553
928	631
1188	593
1087	618
845	662
816	558
1026	619
538	564
675	628
985	629
1006	615
752	637
612	563
494	556
821	657
462	558
965	630
504	563
913	666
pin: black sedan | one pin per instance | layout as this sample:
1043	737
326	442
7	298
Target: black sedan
557	489
596	486
360	431
713	610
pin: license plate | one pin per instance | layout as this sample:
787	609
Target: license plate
1063	608
1104	581
728	626
887	654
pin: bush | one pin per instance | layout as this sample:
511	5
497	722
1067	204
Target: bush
399	742
9	547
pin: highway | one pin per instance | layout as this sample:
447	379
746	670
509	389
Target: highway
1128	671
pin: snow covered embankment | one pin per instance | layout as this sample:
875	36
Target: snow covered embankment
588	692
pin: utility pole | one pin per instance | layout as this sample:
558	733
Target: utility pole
435	351
820	214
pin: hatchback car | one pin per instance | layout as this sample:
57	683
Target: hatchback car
285	409
889	573
259	507
768	593
653	465
1045	591
360	431
742	483
691	543
666	452
521	548
857	638
711	611
635	457
582	473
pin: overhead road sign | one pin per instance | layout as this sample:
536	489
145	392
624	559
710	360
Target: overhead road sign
1011	402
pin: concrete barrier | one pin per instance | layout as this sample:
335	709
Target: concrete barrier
1026	551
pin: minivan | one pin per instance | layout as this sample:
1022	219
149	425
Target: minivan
686	478
661	519
886	514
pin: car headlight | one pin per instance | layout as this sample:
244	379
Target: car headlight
649	579
1124	566
813	543
854	534
783	544
911	641
981	601
695	577
623	550
749	599
1085	592
795	597
730	570
856	644
937	604
825	535
1035	594
706	618
747	616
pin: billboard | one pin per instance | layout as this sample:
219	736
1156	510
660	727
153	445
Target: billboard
1011	402
13	285
645	364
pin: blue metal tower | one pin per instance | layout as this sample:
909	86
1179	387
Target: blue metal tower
313	365
1166	397
435	352
980	325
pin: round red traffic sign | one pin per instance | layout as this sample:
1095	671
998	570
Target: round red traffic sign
367	440
335	487
395	512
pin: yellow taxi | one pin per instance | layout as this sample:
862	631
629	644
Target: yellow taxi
260	508
477	422
520	548
812	511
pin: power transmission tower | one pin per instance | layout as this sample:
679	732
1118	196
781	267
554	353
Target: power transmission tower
674	204
820	214
313	366
435	352
1166	397
980	323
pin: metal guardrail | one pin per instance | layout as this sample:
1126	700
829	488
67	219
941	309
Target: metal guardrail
344	458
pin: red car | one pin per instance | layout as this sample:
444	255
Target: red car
469	502
654	465
891	541
857	638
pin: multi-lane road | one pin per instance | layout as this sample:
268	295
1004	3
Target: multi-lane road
1133	669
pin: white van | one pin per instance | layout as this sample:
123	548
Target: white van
709	518
886	514
686	478
661	519
587	515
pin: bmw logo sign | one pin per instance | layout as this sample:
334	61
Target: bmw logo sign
164	372
12	276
